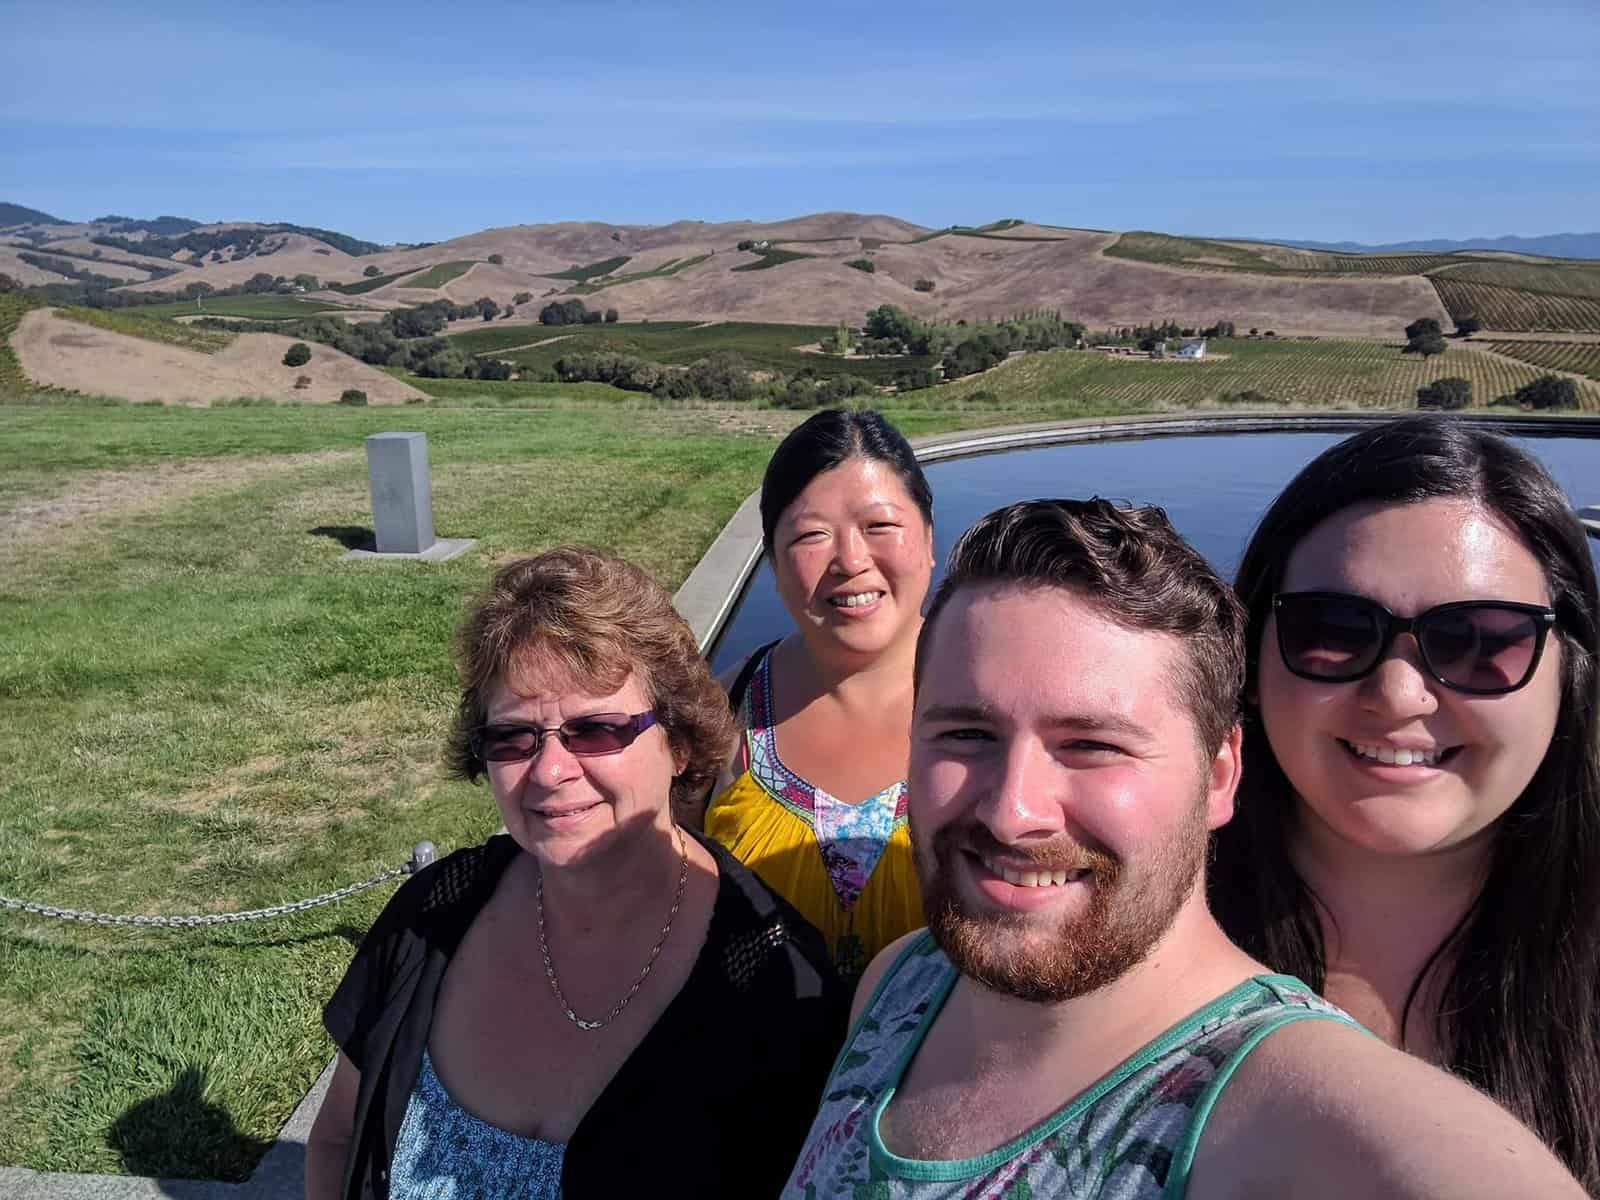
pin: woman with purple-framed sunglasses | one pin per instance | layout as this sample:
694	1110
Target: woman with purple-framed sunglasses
597	1002
1418	825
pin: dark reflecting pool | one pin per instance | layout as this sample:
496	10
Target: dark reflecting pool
1214	487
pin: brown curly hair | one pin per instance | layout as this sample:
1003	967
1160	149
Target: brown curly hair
593	619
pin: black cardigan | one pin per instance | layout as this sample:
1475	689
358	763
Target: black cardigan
715	1101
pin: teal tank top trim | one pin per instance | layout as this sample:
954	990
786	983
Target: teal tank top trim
1131	1136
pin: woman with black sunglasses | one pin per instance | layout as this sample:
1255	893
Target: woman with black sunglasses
597	1002
1418	826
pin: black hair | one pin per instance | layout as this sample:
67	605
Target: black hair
826	440
1519	1015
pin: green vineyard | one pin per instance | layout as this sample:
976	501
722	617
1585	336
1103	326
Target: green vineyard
12	309
1516	310
1581	358
1559	279
1313	374
1371	264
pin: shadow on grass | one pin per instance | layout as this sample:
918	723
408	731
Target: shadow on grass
351	537
210	1146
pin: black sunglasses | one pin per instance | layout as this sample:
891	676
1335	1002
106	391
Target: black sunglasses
1481	647
588	737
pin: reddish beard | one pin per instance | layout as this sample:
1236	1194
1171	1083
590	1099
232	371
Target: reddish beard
1021	954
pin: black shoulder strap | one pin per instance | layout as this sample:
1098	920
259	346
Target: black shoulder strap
741	683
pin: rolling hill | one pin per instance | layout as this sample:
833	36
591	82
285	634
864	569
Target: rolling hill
821	269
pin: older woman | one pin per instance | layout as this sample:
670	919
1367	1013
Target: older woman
596	1003
814	798
1418	828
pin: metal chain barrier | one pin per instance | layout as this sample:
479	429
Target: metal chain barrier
421	855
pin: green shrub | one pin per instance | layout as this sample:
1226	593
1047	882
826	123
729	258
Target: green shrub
297	355
1547	391
1448	393
924	285
354	397
862	264
371	272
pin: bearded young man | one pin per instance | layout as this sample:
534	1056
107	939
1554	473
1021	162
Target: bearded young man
1074	1023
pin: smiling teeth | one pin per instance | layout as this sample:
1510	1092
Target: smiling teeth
855	600
1030	878
1389	756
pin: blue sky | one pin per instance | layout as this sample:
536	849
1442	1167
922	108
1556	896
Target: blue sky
406	121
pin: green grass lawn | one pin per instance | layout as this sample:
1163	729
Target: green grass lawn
202	709
257	308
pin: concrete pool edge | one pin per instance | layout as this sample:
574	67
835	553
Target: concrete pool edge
712	590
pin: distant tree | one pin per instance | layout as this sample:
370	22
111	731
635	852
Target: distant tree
353	396
1149	342
616	237
611	316
522	298
259	282
1420	327
497	259
1547	391
372	272
721	376
1467	324
486	307
1448	393
924	285
862	264
297	355
747	244
8	284
197	289
1254	332
302	382
1426	343
593	316
565	312
309	282
492	368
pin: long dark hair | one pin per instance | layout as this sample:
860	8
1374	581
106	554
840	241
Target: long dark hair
1520	1008
826	440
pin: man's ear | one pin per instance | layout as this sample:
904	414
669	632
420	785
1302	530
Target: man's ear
1222	778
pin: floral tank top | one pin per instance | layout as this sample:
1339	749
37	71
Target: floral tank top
1132	1136
847	867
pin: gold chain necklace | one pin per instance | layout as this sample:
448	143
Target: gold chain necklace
655	951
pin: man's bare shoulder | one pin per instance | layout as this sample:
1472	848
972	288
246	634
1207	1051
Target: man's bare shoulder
1321	1108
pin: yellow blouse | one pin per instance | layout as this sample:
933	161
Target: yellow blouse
847	868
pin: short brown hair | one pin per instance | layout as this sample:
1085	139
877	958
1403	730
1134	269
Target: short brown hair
593	619
1133	565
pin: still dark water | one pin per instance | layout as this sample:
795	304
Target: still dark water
1213	487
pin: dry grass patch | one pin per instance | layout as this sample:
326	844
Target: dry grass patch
78	504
